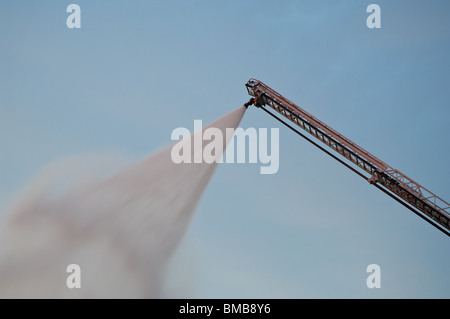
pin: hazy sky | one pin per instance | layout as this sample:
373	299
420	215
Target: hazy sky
136	70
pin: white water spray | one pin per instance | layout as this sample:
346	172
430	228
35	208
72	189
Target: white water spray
121	231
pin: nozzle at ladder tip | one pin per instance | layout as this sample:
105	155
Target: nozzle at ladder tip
250	102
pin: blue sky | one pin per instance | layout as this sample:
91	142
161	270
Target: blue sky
138	69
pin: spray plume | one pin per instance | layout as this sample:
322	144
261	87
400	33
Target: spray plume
121	231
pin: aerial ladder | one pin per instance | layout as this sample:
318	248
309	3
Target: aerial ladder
392	182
